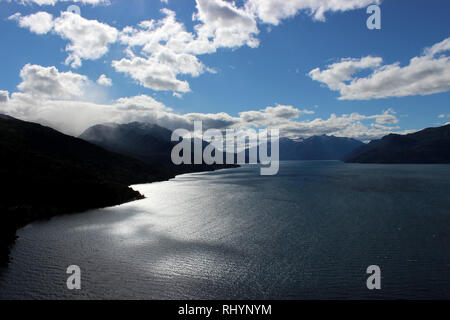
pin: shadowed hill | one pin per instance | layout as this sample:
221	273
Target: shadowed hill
318	148
431	145
45	173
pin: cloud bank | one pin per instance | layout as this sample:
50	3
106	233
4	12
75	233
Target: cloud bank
55	98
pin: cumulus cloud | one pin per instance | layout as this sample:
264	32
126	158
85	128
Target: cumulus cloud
103	80
88	39
151	74
48	82
226	24
388	117
273	11
270	116
425	74
167	50
39	23
337	73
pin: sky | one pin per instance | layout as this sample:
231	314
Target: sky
304	67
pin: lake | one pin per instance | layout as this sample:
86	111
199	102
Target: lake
308	233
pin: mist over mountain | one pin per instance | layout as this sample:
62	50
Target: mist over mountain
148	142
144	141
430	145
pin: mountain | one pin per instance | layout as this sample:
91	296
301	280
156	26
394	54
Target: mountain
45	173
147	142
317	148
431	145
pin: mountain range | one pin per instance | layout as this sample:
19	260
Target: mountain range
430	145
152	143
317	148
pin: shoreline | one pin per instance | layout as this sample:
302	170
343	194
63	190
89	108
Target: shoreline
20	216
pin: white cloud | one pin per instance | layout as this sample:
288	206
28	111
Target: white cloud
426	74
339	72
443	116
164	54
388	117
273	11
270	116
103	80
49	83
225	24
89	39
152	74
4	96
39	23
440	47
167	50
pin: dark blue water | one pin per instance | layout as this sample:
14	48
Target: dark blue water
308	233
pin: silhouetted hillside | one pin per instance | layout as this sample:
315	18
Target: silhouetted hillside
314	148
45	173
317	148
431	145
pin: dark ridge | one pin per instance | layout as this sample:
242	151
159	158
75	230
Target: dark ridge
318	148
315	148
428	146
46	173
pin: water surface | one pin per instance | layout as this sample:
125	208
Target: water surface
308	233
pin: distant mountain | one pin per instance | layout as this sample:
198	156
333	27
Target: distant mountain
45	173
431	145
317	148
147	142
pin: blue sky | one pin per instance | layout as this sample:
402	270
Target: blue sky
234	81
